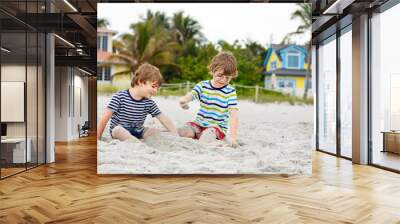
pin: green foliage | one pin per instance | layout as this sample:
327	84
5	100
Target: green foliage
304	14
248	60
107	88
177	46
101	22
150	41
195	69
265	96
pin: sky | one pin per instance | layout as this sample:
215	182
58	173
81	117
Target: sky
261	22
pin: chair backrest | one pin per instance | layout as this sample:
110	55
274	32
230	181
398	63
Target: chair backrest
86	125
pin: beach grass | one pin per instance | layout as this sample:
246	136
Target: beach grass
264	96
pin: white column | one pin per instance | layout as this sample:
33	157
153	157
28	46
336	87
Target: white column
50	94
360	90
314	91
62	103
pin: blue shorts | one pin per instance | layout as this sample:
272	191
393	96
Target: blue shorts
135	131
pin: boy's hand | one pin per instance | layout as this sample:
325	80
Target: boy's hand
234	144
183	103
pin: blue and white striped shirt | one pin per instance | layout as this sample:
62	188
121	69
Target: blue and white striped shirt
129	112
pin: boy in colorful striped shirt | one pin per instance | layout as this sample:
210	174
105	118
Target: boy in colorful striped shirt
218	103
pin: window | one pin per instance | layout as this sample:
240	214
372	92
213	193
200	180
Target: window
273	65
104	43
327	95
286	83
99	73
385	87
290	83
394	119
293	60
346	94
98	43
22	70
103	74
308	84
281	83
107	73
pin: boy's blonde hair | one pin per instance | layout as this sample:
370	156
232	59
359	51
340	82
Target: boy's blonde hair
224	60
146	72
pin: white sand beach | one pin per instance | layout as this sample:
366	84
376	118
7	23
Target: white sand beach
273	138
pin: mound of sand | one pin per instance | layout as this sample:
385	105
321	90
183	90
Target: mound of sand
273	138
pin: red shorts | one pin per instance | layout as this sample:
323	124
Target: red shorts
199	129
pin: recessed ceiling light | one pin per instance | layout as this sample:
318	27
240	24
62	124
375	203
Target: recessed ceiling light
337	7
5	50
86	72
64	40
70	5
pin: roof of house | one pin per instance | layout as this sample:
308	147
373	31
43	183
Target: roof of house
269	52
278	48
103	56
278	51
105	30
287	72
281	46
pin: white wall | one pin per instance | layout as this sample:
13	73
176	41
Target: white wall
80	93
14	73
34	123
61	103
70	84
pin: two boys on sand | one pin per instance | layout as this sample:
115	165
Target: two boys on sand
129	108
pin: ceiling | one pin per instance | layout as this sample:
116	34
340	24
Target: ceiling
75	21
72	20
328	15
211	1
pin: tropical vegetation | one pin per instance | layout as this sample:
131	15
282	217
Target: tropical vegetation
303	13
177	46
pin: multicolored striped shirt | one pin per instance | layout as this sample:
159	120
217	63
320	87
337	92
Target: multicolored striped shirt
215	104
129	112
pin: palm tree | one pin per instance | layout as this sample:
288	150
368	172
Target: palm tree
256	49
304	14
186	28
159	18
186	32
101	22
149	42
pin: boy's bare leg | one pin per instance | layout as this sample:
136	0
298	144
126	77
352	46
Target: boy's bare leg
209	136
186	131
150	133
122	134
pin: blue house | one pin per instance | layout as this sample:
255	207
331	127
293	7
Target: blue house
285	68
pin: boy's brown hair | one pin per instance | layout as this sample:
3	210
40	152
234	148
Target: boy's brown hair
146	72
225	60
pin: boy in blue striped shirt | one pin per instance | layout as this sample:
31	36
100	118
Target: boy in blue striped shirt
129	108
218	103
